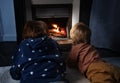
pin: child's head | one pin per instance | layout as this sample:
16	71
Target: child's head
80	33
33	29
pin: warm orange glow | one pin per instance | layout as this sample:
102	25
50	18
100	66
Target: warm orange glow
55	25
57	30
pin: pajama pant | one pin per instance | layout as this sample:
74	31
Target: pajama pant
102	72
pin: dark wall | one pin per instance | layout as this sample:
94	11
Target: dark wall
19	6
105	24
85	9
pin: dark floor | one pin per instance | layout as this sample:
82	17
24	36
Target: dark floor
107	53
6	51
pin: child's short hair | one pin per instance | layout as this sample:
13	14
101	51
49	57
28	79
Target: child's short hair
33	29
80	33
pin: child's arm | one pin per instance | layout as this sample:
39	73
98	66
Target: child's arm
15	73
72	59
15	69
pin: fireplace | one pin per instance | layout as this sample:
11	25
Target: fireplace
58	18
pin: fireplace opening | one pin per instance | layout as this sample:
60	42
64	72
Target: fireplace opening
58	27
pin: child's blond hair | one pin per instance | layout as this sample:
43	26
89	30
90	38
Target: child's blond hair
80	33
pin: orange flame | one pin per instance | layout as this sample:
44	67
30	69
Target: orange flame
55	25
57	29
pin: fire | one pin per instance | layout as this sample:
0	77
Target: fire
55	25
57	30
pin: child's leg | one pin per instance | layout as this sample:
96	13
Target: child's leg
101	78
100	72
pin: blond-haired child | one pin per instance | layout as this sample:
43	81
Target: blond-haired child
86	58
